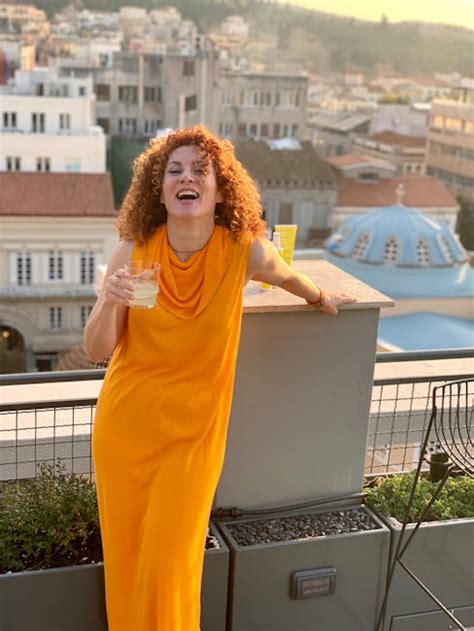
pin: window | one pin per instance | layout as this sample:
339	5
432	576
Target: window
13	163
55	265
82	90
190	103
438	122
276	130
87	268
253	129
285	213
85	312
390	254
152	95
55	318
128	94
277	99
65	121
285	131
242	130
43	164
264	130
150	127
294	131
102	92
454	124
128	125
72	165
9	120
38	122
23	268
188	68
422	252
227	97
105	124
361	246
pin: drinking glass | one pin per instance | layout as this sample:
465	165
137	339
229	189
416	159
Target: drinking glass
145	278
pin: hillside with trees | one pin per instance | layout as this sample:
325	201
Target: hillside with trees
330	42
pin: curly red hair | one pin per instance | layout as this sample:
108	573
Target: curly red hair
142	212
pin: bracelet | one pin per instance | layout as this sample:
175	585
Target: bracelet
319	302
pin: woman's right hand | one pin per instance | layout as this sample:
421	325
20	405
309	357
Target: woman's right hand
118	289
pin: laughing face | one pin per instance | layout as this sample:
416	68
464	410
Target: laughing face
189	188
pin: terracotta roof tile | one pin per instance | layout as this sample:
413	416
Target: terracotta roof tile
421	191
400	140
57	194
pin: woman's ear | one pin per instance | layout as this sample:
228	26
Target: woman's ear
162	201
219	198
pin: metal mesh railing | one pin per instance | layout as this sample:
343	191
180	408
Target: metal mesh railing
400	412
33	432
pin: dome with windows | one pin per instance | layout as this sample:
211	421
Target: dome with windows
403	253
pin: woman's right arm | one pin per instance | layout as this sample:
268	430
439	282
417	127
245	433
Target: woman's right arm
109	315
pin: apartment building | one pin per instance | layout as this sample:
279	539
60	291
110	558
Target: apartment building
23	18
55	228
262	105
296	185
406	153
47	123
142	93
450	146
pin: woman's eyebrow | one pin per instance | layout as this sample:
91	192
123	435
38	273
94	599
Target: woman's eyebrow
174	162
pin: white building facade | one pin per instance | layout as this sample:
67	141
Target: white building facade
47	123
55	230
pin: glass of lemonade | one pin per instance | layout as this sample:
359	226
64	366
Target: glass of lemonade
145	278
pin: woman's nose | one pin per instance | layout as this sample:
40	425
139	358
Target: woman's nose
187	176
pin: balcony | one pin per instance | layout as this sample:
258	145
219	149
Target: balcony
46	290
315	411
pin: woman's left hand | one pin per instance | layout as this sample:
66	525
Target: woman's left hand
332	301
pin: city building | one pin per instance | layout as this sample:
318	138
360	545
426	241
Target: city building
296	185
406	153
450	144
262	105
23	18
47	123
421	264
333	132
406	119
55	228
142	93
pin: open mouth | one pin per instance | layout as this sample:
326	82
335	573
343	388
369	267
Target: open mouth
187	194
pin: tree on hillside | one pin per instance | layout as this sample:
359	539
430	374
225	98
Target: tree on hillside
465	225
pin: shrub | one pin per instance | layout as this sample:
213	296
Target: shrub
48	521
390	497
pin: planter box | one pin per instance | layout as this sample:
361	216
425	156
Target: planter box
260	579
73	598
441	555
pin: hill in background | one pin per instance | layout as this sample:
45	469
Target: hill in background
323	41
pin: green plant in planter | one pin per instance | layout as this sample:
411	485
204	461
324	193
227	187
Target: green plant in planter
390	497
48	521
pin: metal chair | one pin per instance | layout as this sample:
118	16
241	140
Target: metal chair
449	438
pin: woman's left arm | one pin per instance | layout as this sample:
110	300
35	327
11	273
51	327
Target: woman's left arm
266	265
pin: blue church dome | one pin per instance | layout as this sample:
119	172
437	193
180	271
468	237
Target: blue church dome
397	236
402	253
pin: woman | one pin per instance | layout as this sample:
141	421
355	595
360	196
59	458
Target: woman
161	422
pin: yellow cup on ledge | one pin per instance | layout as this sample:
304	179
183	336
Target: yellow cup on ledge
287	234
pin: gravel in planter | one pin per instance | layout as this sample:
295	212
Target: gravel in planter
304	526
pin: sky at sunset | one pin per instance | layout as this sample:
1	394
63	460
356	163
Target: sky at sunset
459	12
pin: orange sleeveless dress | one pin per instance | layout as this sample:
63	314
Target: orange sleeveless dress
160	431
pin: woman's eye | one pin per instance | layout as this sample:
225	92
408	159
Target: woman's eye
174	171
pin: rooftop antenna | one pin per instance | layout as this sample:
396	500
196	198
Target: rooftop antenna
400	193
